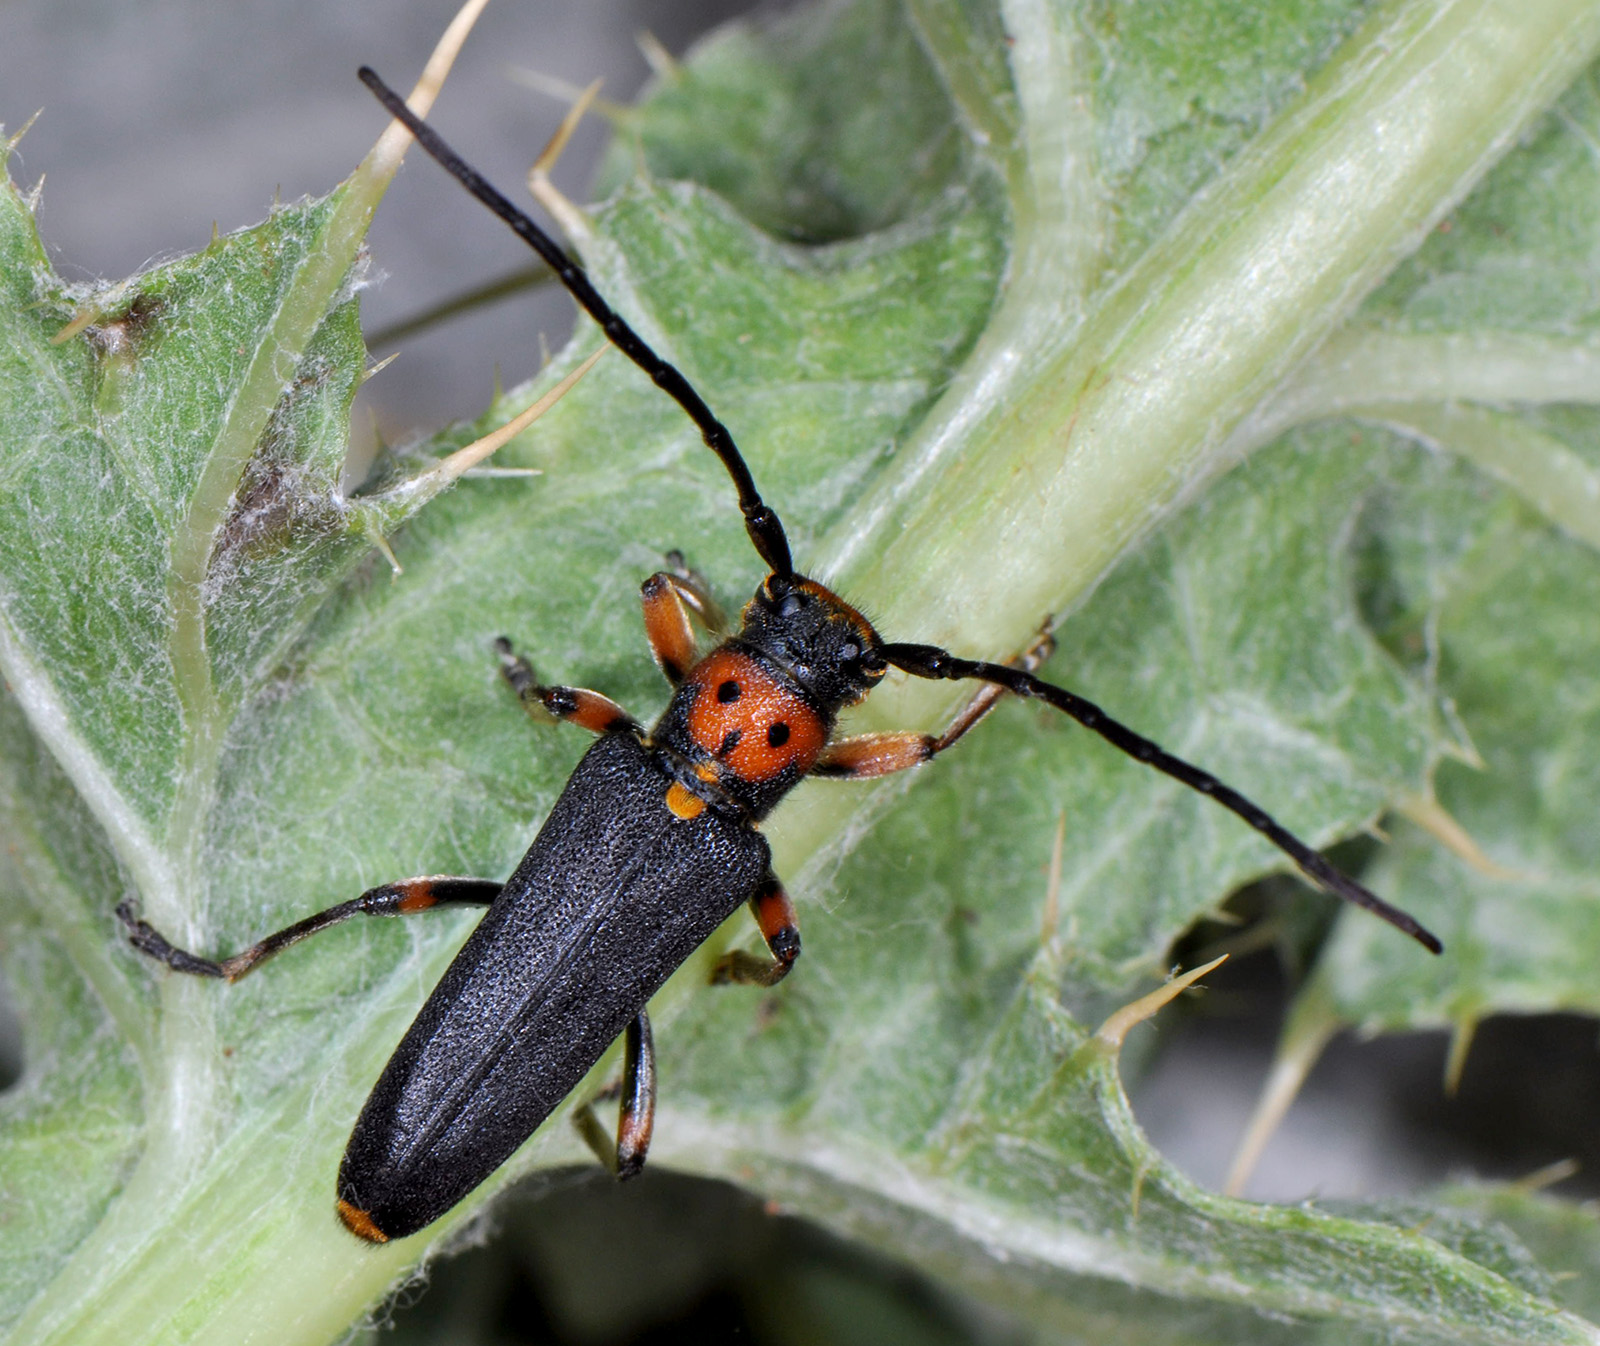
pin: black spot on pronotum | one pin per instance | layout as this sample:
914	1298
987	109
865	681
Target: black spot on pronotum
728	691
778	735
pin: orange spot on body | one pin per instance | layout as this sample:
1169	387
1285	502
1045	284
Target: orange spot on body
418	897
683	803
749	721
359	1223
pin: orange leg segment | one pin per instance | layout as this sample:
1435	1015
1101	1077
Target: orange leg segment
670	598
774	913
866	756
666	625
624	1156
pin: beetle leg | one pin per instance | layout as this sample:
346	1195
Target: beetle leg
698	594
391	899
774	913
666	625
576	705
670	597
624	1156
868	755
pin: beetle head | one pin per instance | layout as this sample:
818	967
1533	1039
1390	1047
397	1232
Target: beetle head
819	640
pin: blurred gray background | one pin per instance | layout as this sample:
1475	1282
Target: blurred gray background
161	118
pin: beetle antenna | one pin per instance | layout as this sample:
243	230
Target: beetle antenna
929	661
763	525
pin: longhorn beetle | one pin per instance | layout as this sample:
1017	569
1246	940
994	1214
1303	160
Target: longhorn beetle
652	845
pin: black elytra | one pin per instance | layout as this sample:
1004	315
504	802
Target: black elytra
615	893
652	844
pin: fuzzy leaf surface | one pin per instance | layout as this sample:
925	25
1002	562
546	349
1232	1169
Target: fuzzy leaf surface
982	317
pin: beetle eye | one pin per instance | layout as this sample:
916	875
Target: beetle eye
790	606
849	652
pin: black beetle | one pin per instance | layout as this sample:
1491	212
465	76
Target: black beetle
652	845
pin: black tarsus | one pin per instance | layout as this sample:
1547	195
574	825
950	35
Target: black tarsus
763	525
929	661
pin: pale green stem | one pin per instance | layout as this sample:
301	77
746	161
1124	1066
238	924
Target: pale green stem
74	920
1057	235
185	1112
1415	384
1022	515
973	68
1016	515
186	1107
52	720
306	303
1538	467
247	1248
1361	367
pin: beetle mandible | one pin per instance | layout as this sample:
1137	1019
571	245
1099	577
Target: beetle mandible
652	844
